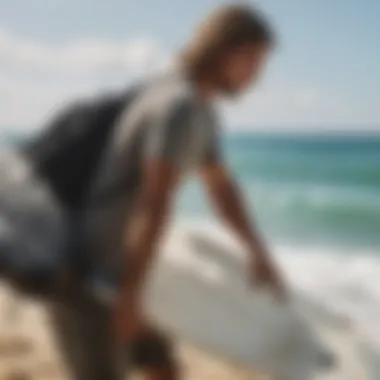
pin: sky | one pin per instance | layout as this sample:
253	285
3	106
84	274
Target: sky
324	74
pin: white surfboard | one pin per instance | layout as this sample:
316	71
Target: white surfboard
199	290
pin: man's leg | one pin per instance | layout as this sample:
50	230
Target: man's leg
83	332
84	335
153	353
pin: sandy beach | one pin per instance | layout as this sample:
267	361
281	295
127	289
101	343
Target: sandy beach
27	349
185	296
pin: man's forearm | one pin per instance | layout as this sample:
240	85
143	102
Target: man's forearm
142	240
229	204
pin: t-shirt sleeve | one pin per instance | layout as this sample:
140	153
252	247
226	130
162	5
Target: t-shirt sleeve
213	152
171	132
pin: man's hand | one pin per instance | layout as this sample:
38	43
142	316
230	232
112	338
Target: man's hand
263	272
128	320
228	202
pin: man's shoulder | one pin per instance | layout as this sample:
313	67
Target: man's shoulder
170	92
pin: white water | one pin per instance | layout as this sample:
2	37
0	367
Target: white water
349	286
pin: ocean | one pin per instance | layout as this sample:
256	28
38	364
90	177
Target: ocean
305	190
316	199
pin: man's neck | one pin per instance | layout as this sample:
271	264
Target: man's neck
204	86
206	89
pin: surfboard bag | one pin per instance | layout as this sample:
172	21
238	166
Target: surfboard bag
45	182
68	150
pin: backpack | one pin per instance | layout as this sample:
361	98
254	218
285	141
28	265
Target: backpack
68	151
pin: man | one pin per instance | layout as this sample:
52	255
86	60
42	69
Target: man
169	130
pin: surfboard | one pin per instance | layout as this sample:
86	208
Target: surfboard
199	291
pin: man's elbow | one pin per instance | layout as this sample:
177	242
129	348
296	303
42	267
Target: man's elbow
154	212
222	186
158	215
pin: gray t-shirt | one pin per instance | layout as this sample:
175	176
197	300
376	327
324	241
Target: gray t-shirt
167	120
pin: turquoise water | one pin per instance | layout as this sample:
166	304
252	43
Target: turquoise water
316	190
313	190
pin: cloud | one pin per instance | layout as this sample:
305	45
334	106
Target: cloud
273	105
299	107
36	77
79	56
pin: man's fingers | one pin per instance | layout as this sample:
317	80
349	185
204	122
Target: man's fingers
273	284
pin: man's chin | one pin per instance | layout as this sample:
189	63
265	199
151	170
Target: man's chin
231	93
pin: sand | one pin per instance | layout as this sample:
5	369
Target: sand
27	349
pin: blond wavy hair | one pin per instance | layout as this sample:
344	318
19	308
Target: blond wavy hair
227	27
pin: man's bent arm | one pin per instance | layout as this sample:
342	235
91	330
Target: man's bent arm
164	152
228	202
148	221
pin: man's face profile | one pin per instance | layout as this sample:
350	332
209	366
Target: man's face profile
241	66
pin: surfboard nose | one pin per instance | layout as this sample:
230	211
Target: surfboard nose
327	360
